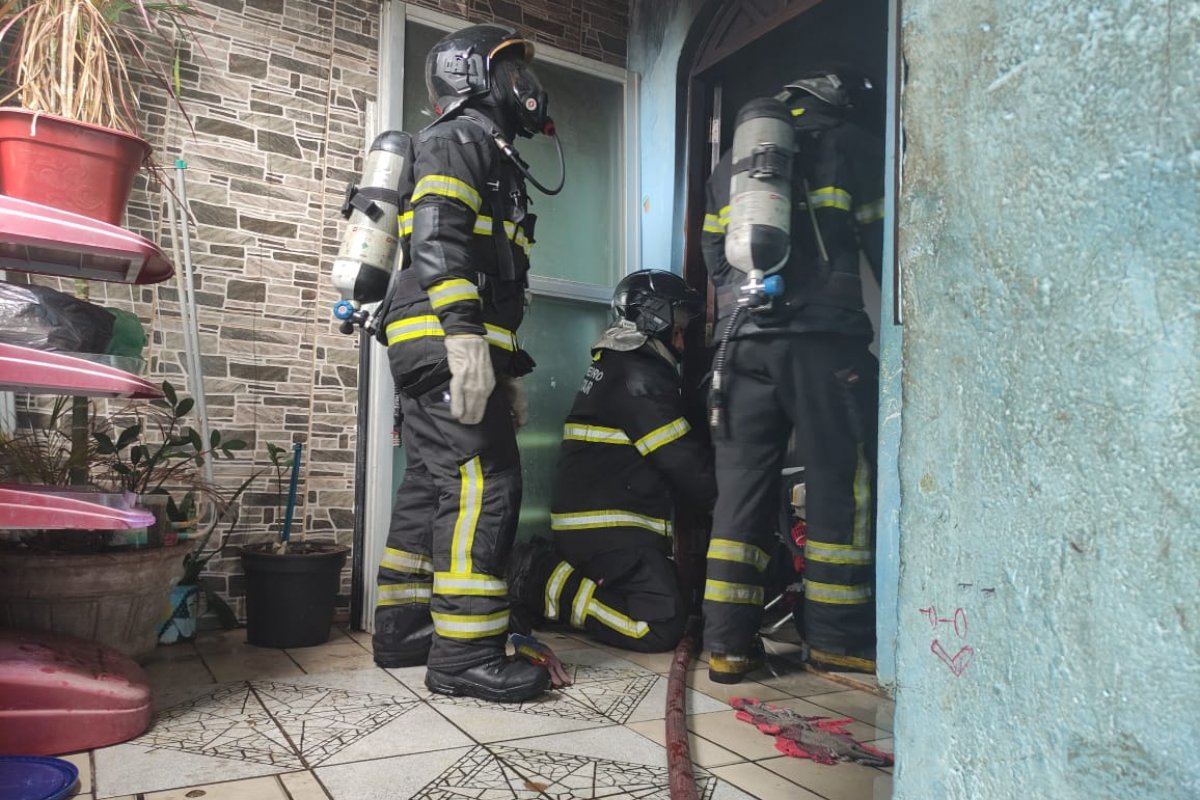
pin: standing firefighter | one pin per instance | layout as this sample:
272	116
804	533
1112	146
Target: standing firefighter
794	362
627	455
450	322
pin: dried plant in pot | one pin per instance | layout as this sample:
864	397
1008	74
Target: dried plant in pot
74	141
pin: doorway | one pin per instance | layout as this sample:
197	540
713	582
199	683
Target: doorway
742	49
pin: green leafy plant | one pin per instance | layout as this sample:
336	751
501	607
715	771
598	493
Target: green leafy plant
155	450
42	453
72	58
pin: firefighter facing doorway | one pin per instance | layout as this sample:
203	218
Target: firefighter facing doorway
794	366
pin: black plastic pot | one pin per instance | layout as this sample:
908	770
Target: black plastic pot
290	598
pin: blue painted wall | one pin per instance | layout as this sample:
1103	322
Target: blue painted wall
1049	596
656	37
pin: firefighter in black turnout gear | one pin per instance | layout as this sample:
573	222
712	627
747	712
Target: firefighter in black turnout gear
450	324
800	367
627	454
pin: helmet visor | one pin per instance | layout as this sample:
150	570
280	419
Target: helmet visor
517	81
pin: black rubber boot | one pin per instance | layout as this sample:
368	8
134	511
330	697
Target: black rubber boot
501	680
393	649
729	668
528	568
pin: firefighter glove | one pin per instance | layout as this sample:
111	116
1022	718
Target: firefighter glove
471	376
518	400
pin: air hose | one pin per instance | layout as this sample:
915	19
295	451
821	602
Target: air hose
681	779
716	397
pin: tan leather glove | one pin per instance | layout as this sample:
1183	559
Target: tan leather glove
471	376
518	400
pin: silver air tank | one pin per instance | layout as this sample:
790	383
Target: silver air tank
365	261
758	236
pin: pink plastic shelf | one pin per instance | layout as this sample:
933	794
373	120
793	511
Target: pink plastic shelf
23	369
38	238
61	695
55	508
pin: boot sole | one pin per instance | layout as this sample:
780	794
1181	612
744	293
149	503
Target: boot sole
726	678
397	660
456	686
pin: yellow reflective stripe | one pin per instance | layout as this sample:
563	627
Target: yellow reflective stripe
500	337
554	588
405	220
615	620
729	550
836	553
476	585
402	594
403	330
861	538
596	434
675	429
712	224
608	518
484	224
583	598
470	626
470	503
837	594
404	561
446	186
830	197
871	212
409	328
452	290
798	112
726	592
723	215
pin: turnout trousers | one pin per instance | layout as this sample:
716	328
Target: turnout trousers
441	580
822	390
624	598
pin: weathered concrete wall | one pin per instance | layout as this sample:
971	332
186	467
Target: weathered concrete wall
657	33
1051	413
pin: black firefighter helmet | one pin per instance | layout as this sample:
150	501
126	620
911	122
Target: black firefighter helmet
655	301
486	61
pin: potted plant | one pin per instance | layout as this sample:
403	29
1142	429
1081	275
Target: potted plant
110	587
291	587
74	143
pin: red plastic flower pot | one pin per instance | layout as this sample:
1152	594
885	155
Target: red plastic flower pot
68	165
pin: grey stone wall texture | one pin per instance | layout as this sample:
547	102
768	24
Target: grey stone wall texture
276	92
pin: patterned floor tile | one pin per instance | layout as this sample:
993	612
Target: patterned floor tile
703	752
245	729
508	772
841	781
255	789
864	706
303	786
763	784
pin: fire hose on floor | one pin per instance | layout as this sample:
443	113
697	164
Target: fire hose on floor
682	781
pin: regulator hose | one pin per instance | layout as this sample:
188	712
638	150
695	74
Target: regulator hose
716	397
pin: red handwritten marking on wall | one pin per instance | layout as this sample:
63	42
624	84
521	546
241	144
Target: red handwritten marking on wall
959	662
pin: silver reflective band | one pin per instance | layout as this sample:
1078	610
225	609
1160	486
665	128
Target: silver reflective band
554	587
451	583
726	592
729	550
608	518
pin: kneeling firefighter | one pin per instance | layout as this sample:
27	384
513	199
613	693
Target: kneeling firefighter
627	454
793	362
450	319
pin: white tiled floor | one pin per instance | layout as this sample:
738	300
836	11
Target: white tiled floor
236	722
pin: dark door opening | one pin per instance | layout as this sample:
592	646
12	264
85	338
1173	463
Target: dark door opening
750	48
